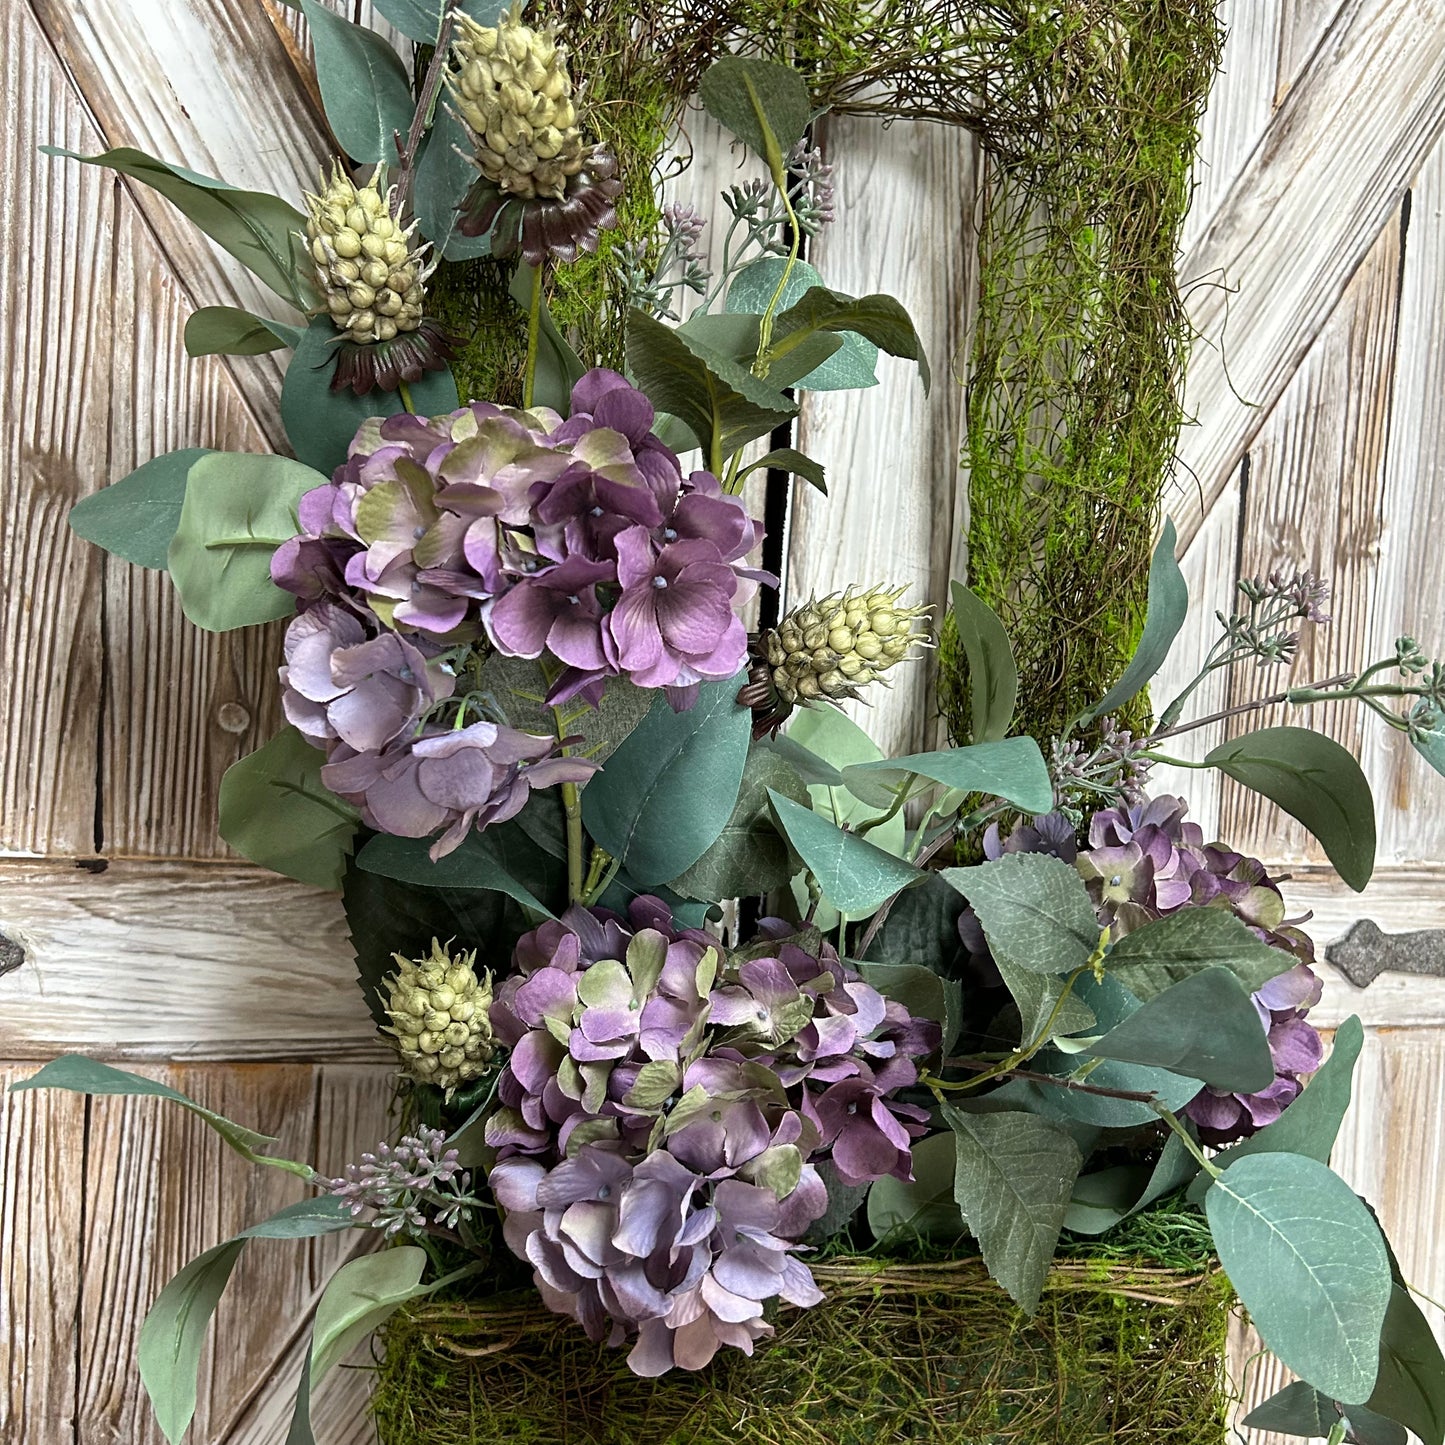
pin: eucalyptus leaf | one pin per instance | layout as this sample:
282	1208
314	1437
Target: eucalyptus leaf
923	1206
1034	909
444	175
559	368
1429	740
1205	1027
261	231
686	912
1410	1386
663	798
88	1076
229	331
1015	1175
880	319
1315	781
1311	1124
1164	952
814	770
993	677
238	509
758	101
854	875
320	423
362	1294
1168	605
720	401
365	89
275	810
135	518
854	364
1308	1263
749	856
475	864
925	995
1012	769
1105	1198
794	463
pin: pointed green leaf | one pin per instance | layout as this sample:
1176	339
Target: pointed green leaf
792	461
1014	1177
364	86
444	175
1309	1265
993	678
1034	909
237	510
1037	996
261	231
754	97
880	319
854	875
1103	1199
735	335
1298	1409
1168	605
275	810
662	799
136	517
1410	1387
229	331
475	864
1150	959
1012	769
1317	782
87	1076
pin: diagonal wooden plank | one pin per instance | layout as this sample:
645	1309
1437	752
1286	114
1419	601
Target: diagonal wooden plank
1308	207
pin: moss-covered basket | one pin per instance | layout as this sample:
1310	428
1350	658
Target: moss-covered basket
916	1352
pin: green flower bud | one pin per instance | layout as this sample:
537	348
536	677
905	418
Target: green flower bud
440	1017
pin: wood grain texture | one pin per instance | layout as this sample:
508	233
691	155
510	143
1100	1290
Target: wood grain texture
1308	207
895	511
1315	500
172	961
41	1212
1302	26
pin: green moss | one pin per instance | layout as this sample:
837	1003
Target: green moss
1121	1352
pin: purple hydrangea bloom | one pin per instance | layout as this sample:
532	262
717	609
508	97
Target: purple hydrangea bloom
662	1116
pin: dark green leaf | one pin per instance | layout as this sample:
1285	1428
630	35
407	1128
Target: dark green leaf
1410	1387
665	795
792	461
1150	959
559	368
854	875
259	230
1037	996
87	1076
229	331
1312	1122
320	423
364	86
881	319
1014	1178
1309	1265
720	401
1317	782
749	856
1205	1027
736	336
135	518
1034	909
686	912
923	992
1168	604
923	1206
854	364
815	771
754	98
1298	1409
1102	1199
237	510
1428	739
993	678
475	864
275	811
923	924
444	175
1013	769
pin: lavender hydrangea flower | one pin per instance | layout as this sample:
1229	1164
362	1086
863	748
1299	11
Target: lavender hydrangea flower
662	1117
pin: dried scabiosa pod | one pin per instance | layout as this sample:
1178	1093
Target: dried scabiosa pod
374	283
542	190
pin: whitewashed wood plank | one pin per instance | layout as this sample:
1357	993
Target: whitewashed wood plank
57	231
1306	210
41	1154
906	198
1315	499
1241	102
1302	26
165	961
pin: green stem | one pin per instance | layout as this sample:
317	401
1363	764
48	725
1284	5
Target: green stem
1187	1139
404	392
534	332
572	810
765	325
899	799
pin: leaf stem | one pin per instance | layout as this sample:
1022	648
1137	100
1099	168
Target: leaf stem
534	331
900	797
1186	1138
795	233
404	392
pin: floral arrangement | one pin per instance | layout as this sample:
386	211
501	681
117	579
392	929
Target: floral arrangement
532	734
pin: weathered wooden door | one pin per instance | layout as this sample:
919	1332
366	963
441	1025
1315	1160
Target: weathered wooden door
125	928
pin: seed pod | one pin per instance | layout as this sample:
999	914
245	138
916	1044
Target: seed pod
440	1018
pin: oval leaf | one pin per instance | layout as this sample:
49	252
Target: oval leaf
1317	783
364	85
1150	959
275	811
237	510
1013	769
923	1206
136	517
666	793
1309	1265
757	100
993	677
